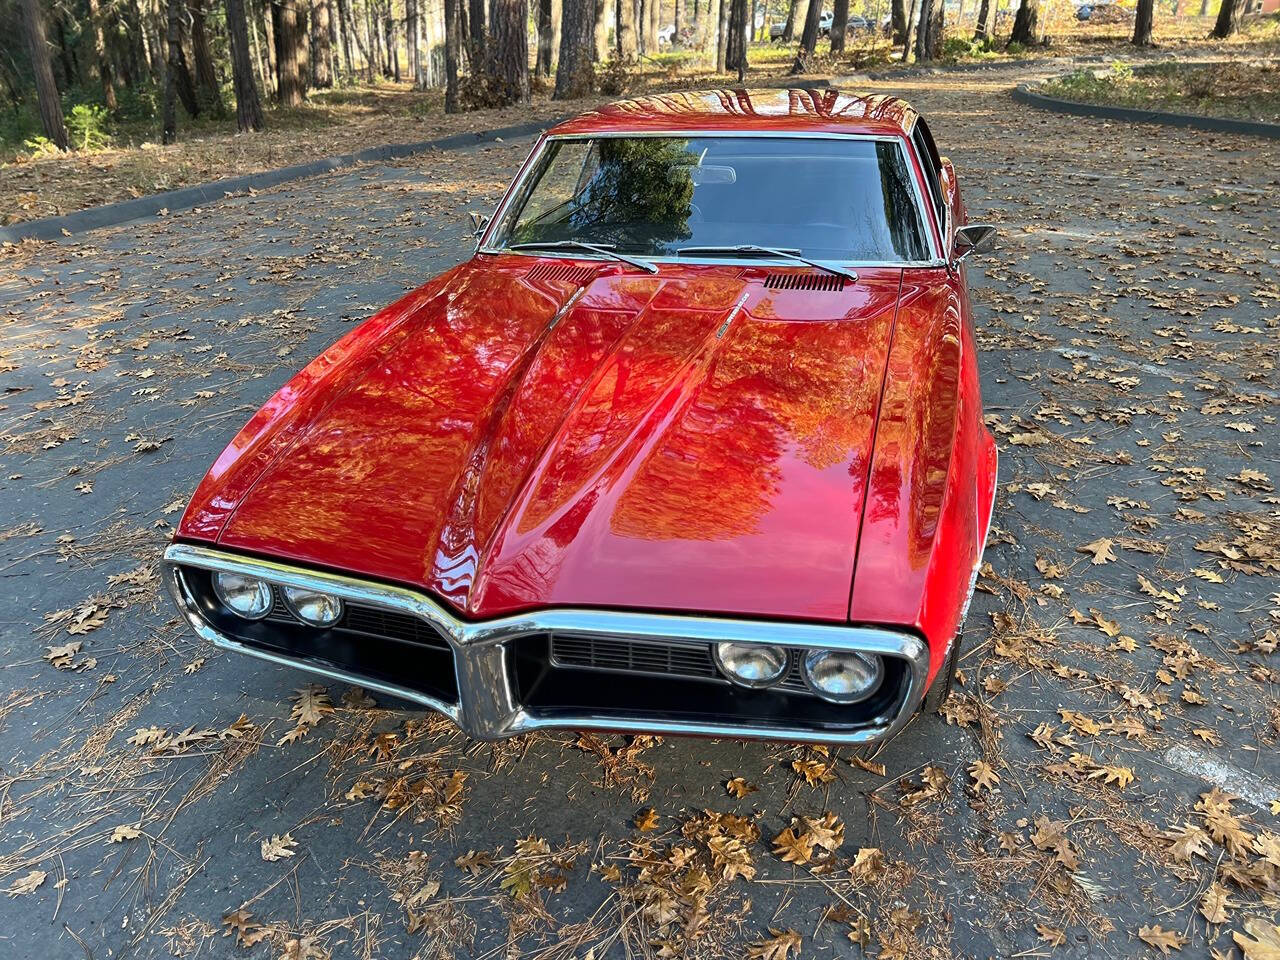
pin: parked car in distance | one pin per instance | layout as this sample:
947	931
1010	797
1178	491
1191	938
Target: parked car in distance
857	24
824	23
691	442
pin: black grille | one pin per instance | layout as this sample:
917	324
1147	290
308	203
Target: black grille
805	281
691	661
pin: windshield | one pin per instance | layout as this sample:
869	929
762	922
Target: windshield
831	199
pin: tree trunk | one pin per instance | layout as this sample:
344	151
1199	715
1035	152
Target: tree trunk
1026	29
545	50
100	54
248	106
809	40
793	16
722	34
476	24
898	22
839	24
344	37
66	56
413	54
173	38
321	51
46	90
675	34
573	73
206	76
509	61
600	30
627	30
906	37
288	35
1228	19
736	48
1142	23
655	24
452	45
986	12
929	32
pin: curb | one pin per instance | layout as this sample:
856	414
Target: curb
184	198
1023	94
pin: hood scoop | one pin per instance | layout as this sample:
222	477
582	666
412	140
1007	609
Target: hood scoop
560	273
826	282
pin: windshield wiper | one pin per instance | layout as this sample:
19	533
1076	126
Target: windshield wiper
750	249
603	250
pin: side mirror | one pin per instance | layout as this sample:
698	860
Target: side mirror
974	238
478	223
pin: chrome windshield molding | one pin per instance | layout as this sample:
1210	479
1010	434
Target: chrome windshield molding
487	705
531	164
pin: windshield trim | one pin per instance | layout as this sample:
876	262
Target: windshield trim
531	164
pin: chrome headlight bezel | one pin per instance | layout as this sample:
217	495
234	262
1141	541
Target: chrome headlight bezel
781	655
874	665
296	598
223	591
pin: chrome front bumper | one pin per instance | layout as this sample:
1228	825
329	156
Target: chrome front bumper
488	706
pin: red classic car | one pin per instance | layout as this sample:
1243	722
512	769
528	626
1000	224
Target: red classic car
692	443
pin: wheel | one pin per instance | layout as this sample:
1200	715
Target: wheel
942	683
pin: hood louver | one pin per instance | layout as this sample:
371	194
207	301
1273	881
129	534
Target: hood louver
560	273
829	282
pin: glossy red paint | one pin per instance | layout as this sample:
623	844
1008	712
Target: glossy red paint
510	436
798	111
686	441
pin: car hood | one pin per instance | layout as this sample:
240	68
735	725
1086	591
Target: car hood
541	432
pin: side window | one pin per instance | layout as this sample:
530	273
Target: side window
928	154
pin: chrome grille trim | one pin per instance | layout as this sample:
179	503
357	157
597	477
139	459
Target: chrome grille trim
487	706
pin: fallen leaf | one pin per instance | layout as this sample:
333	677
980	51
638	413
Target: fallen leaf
278	847
1162	940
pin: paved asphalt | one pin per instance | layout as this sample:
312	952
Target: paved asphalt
1130	326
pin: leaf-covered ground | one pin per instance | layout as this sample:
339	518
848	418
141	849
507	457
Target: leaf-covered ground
1104	783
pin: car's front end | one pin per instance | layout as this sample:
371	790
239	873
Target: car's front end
628	467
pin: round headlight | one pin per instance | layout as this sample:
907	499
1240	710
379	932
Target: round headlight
246	597
313	607
751	664
842	676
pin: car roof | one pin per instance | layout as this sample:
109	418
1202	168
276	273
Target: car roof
825	110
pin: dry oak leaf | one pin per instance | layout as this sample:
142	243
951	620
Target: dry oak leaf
307	948
646	820
27	884
126	831
739	787
813	771
1215	903
278	847
827	833
867	863
247	933
1163	940
475	862
778	946
792	848
1262	942
1051	935
310	704
1100	550
62	656
984	777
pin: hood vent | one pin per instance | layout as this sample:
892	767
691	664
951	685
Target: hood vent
829	282
560	273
